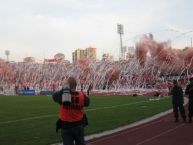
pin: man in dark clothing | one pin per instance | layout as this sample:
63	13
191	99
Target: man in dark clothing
71	115
189	92
178	101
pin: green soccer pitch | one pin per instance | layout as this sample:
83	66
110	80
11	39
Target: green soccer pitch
30	120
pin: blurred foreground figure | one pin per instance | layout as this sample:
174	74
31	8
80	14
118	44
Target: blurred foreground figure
72	119
189	92
178	101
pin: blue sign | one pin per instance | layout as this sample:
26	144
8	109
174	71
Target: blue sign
26	92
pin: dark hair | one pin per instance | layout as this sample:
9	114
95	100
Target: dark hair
72	83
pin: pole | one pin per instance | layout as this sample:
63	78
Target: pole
121	48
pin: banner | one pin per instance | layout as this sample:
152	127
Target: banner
26	92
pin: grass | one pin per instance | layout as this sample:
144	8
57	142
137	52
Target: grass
30	120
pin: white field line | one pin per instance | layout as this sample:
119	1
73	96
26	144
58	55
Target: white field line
87	110
29	118
115	106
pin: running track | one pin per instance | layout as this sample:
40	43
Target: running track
161	131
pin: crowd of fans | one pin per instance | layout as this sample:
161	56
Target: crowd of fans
104	75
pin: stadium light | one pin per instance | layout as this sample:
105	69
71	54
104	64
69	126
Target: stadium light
7	53
120	32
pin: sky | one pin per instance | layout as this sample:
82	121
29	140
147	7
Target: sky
42	28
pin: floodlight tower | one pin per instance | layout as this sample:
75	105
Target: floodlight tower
7	53
120	32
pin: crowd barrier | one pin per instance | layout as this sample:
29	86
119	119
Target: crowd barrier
8	92
46	92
